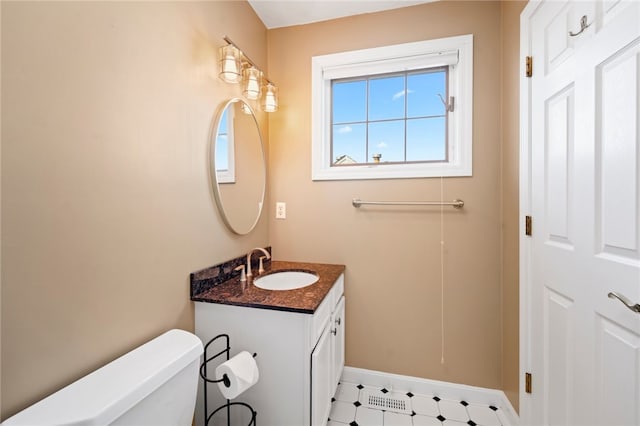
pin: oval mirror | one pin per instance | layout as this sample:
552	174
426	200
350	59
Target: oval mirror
237	166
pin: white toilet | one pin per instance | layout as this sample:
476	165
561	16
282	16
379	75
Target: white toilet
155	384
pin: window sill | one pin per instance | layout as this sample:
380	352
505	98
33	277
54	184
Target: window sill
391	171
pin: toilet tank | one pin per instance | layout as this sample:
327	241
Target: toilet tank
155	384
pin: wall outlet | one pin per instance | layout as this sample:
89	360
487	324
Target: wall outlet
281	210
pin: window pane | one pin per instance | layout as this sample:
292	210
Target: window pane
386	138
224	122
349	144
386	98
222	153
370	117
424	89
222	142
349	101
426	139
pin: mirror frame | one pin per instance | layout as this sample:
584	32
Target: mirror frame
213	177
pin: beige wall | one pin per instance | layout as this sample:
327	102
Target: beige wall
510	211
106	206
392	254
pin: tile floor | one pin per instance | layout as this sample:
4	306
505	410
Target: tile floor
350	407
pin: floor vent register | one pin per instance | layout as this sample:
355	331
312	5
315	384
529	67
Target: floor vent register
396	403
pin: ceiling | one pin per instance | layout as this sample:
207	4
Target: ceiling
285	13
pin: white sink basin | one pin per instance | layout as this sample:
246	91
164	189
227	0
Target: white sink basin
285	280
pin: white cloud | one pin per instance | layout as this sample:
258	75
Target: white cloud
401	94
345	129
382	145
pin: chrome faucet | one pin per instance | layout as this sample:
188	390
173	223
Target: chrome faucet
266	253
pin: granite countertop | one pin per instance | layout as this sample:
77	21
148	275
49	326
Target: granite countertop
304	300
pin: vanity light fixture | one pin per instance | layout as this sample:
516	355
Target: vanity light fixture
269	98
236	67
230	64
251	80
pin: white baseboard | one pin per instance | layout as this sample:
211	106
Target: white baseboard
444	390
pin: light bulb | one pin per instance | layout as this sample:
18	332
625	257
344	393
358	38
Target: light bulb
270	98
251	78
230	64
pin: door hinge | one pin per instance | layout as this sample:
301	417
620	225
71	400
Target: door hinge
529	66
527	382
527	225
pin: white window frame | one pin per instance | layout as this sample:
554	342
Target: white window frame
454	52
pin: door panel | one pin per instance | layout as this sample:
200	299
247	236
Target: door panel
584	194
559	160
617	170
608	9
559	368
321	379
618	369
553	210
556	38
338	343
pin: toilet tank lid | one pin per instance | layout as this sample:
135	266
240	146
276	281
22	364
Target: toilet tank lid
104	395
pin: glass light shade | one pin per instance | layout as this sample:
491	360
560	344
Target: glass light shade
251	78
230	64
269	98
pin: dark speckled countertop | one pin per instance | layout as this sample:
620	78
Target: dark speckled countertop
305	300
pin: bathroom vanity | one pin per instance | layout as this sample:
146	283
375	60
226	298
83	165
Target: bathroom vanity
298	336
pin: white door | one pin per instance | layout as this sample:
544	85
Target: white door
581	185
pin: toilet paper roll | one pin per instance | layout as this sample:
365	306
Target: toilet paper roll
242	372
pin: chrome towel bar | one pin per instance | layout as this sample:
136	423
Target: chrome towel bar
458	204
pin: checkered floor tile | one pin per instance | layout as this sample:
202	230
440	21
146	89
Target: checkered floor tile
348	407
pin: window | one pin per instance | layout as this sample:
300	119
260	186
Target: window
389	118
224	154
393	112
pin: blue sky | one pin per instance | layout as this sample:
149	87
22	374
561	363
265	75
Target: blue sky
222	146
387	95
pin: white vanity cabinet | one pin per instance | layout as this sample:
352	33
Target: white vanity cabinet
300	358
327	362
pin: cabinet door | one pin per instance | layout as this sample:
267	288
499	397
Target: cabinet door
337	362
321	378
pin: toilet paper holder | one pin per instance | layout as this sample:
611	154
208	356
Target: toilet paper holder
225	380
